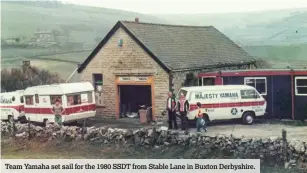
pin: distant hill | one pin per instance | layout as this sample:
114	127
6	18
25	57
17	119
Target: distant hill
82	23
280	27
274	35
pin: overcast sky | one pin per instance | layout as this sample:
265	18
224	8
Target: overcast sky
192	6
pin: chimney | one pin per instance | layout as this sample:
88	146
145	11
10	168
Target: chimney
136	20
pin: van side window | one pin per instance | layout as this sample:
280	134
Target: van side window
54	98
259	83
249	94
89	97
36	98
73	99
29	100
21	99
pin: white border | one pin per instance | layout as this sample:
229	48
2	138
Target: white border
295	86
266	85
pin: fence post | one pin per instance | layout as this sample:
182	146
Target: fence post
29	128
13	129
84	128
284	146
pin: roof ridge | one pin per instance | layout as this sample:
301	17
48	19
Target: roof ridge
171	25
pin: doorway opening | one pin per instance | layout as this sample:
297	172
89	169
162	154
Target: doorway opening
131	97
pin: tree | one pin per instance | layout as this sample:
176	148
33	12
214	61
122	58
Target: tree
21	78
263	64
17	40
190	80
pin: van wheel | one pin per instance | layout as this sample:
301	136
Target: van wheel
11	119
248	118
46	122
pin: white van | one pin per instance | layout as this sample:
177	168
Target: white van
77	99
225	102
12	105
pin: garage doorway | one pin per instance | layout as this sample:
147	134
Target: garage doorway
132	96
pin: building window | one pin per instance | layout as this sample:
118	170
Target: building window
200	83
98	80
257	82
208	81
29	100
54	98
301	86
249	94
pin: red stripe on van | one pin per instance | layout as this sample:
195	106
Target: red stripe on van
17	108
69	110
227	105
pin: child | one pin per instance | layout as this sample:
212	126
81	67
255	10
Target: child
200	123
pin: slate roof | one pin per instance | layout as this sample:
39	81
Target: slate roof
178	47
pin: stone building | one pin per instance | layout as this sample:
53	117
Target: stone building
138	63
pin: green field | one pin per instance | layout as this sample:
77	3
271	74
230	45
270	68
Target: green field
54	63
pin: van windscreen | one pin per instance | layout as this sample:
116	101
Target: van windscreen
181	91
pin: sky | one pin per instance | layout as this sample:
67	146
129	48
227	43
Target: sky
192	6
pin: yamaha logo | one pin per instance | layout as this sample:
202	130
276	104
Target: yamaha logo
234	111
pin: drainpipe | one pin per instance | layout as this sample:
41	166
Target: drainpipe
171	77
292	91
220	76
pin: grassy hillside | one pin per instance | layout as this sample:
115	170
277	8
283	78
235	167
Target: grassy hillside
83	23
277	36
254	28
87	25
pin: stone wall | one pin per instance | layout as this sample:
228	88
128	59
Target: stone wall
180	77
131	60
158	137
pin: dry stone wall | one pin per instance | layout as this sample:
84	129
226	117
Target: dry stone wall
160	137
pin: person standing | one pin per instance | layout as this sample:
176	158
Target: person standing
183	108
171	108
57	110
200	121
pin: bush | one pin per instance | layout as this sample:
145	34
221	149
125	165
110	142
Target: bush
21	78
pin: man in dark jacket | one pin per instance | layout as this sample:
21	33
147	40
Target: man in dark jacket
171	108
183	108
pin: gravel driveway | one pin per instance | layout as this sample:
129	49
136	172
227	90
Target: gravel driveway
261	129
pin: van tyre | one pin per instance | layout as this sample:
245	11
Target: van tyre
248	118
